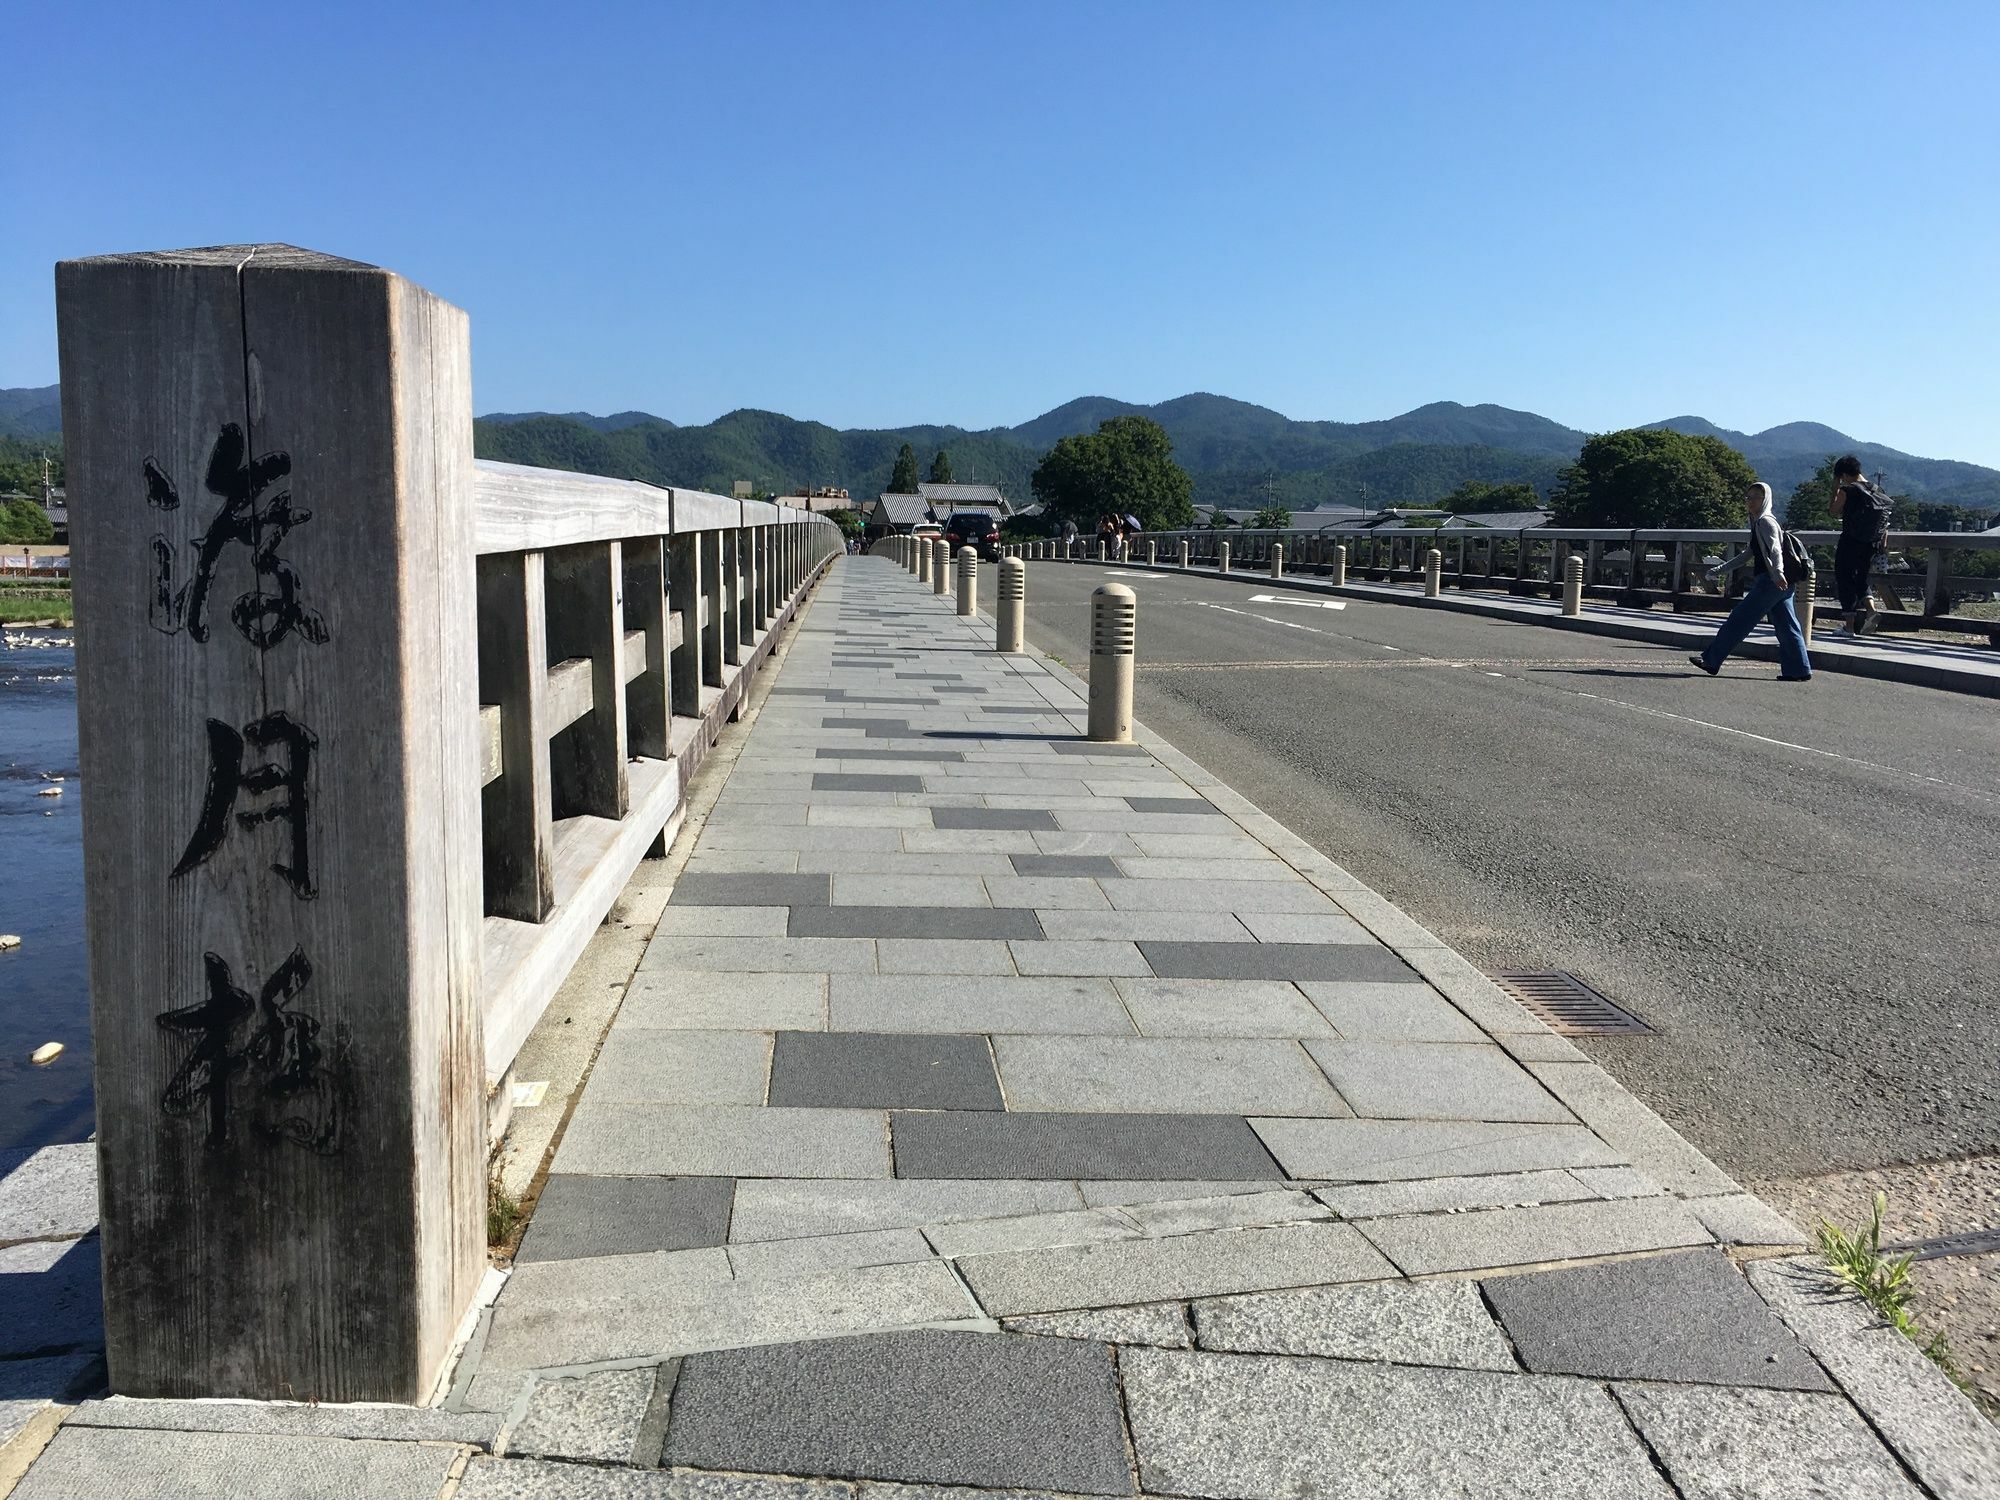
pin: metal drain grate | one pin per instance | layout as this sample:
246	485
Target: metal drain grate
1568	1006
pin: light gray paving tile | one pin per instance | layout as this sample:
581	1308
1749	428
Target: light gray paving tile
1617	1182
1722	1444
1226	1211
1221	1007
630	1307
109	1462
831	1252
1241	896
681	1067
867	815
742	861
841	840
1242	1426
1409	1323
329	1419
933	956
1435	1081
584	1216
1365	1011
987	1409
594	1417
1300	927
908	890
1063	844
1161	1324
896	862
724	921
728	813
1047	892
763	955
1210	845
1098	1193
723	1141
1740	1219
1189	1265
1388	922
1379	1200
1078	1226
749	890
1144	867
939	924
967	840
1483	1001
1529	1046
53	1191
1500	1237
705	1000
1136	926
1401	1150
905	1002
1077	956
1644	1139
1162	1075
1298	962
31	1383
769	1209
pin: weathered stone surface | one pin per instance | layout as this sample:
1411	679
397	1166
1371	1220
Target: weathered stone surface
1378	1200
1688	1317
1076	1146
105	1463
611	1140
1721	1444
1435	1081
1389	1012
407	1424
50	1298
48	1192
706	1000
1740	1219
538	1479
594	1417
1151	1270
828	1252
866	1070
1244	1427
945	924
638	1066
991	1410
1398	1322
1640	1136
1502	1237
1414	1150
1162	1075
1078	1226
580	1216
1221	1007
778	1208
751	890
1191	1215
907	1002
1161	1324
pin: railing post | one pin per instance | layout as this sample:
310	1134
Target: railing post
684	593
278	712
648	697
745	539
586	619
517	819
715	647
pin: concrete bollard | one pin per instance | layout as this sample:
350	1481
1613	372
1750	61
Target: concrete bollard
1277	559
940	567
922	561
1222	557
1114	633
1433	573
1573	585
968	580
1152	554
1184	553
1103	552
1009	616
1340	565
1802	601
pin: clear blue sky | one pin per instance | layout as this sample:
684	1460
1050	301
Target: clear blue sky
877	213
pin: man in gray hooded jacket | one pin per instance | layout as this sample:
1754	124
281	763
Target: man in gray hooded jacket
1769	597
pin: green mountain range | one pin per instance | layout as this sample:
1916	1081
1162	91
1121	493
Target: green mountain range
1238	454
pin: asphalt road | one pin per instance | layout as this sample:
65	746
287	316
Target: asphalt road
1799	886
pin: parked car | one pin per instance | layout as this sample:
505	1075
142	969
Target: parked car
975	529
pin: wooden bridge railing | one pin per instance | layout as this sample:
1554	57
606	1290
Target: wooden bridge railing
372	736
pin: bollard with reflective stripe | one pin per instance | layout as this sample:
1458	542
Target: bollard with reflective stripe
1573	585
1114	633
1009	615
1277	559
1433	573
968	580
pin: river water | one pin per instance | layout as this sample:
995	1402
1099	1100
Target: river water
44	986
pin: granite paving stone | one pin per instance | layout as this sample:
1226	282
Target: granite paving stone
1161	1324
1188	1265
1295	961
1721	1444
1238	1426
916	891
1162	1075
787	955
1014	819
1620	1182
50	1297
1641	1137
1381	1200
586	1216
850	781
681	1067
1178	806
1500	1237
929	956
724	921
1240	896
906	1002
329	1419
1052	893
1404	1150
751	890
859	1070
54	1377
1077	1226
1096	750
865	814
1389	1012
594	1417
1300	927
1076	1146
916	921
48	1192
967	840
743	862
902	862
1134	926
1146	867
1740	1219
781	1208
1081	845
112	1463
828	1252
1435	1081
1074	866
1078	957
706	1000
994	1410
1098	1192
1189	1215
1221	1007
623	1140
869	752
1410	1323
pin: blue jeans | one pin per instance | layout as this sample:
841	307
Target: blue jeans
1764	601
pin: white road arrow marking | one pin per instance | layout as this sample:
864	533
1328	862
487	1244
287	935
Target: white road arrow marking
1302	603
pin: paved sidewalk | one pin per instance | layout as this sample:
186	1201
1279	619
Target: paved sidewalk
995	1109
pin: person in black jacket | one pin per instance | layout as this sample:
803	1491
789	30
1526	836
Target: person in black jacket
1863	510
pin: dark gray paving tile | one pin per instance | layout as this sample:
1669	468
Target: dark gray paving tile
1689	1317
862	752
930	677
588	1216
923	1406
1086	747
1193	806
1031	819
1365	961
966	689
1070	866
752	890
1132	1148
847	781
896	724
870	1070
944	923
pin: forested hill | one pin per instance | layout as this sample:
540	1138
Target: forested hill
1232	449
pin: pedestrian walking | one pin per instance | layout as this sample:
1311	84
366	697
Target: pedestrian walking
1863	509
1769	597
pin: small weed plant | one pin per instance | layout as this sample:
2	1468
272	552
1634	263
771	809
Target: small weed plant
1882	1281
503	1214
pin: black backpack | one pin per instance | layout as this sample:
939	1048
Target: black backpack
1797	559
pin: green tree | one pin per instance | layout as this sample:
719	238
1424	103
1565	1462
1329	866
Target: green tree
1125	467
1653	477
903	478
849	521
24	521
1271	518
941	468
1476	496
1809	507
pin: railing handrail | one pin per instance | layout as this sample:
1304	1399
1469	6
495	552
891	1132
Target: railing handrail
1974	541
521	508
